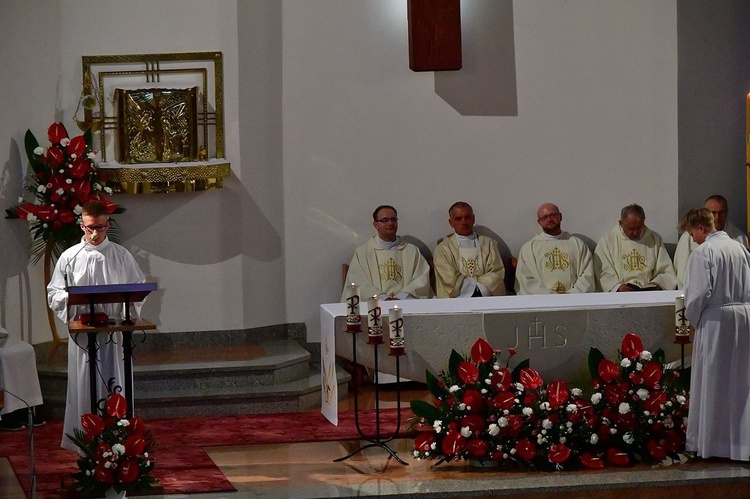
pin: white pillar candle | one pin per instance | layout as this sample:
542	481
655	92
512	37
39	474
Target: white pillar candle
396	323
679	311
352	299
373	312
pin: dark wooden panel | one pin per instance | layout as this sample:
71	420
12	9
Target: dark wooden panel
434	35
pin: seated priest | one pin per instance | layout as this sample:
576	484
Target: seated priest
20	382
386	265
467	264
719	207
94	261
632	257
554	261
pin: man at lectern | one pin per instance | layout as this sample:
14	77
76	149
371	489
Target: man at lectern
94	261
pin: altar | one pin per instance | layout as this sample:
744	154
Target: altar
555	332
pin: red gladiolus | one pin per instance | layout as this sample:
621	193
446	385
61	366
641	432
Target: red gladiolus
93	425
481	352
631	346
117	406
423	442
502	379
134	445
55	157
77	146
558	453
468	372
477	448
656	449
590	460
128	471
557	394
453	444
608	370
651	374
104	475
526	449
475	423
474	401
56	132
530	378
504	400
618	457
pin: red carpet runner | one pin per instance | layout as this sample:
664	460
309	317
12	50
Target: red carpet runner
182	467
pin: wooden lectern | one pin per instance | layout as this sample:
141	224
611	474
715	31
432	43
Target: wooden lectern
110	293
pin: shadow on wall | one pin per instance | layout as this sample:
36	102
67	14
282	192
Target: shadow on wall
14	244
486	84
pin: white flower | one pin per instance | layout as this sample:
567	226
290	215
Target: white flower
118	449
416	453
97	186
638	366
31	218
108	464
493	429
41	188
89	472
539	439
681	400
502	422
461	406
108	190
484	391
563	440
625	362
519	387
513	450
427	454
68	180
465	432
78	209
61	170
73	156
569	424
577	392
65	142
437	426
496	367
624	408
39	151
594	439
544	406
571	408
613	431
123	422
20	200
527	411
596	398
433	445
452	389
60	191
505	455
642	394
646	355
628	438
546	424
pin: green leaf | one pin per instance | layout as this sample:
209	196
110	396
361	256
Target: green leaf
425	410
595	356
433	384
659	356
30	143
453	363
517	370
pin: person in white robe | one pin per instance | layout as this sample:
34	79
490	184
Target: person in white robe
717	303
719	207
632	257
467	264
386	265
20	382
94	261
554	261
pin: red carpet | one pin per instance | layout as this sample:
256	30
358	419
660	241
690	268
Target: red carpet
182	467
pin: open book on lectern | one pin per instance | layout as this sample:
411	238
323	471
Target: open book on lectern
108	293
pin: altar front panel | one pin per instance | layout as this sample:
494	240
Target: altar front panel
555	332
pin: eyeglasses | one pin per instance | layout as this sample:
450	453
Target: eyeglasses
386	220
547	217
95	228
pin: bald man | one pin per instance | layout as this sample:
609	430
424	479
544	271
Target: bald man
554	261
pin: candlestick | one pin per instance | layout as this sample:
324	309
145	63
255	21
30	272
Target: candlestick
681	325
396	330
353	319
374	321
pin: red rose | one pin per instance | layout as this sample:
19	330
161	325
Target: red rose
526	449
128	471
501	379
468	372
473	400
481	352
631	346
477	448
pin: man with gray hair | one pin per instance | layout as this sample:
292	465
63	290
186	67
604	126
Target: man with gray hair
632	257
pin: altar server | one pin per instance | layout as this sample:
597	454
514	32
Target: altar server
717	303
388	266
718	206
631	257
467	264
94	261
554	261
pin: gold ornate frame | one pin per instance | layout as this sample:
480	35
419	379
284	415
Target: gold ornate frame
100	73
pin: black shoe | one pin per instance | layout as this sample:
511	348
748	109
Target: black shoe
10	425
36	421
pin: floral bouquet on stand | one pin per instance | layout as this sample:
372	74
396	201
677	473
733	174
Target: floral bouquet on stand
63	178
487	413
115	453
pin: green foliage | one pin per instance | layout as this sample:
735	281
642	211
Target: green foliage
595	357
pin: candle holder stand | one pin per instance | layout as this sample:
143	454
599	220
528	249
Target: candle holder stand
378	440
682	338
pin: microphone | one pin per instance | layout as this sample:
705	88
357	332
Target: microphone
94	236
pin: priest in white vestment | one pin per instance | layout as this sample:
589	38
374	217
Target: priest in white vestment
386	265
467	264
94	261
632	257
719	207
20	381
554	261
717	303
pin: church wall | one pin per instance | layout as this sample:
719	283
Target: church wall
595	129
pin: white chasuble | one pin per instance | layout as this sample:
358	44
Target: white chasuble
390	271
453	264
549	264
471	261
686	245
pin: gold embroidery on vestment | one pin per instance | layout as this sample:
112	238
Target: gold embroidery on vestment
556	259
391	271
469	266
559	288
633	261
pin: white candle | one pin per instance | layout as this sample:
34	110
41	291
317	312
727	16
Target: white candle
373	312
352	299
396	323
679	311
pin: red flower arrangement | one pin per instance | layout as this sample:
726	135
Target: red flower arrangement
485	412
115	452
63	178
